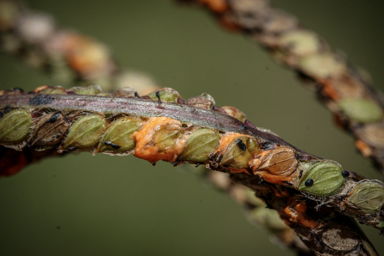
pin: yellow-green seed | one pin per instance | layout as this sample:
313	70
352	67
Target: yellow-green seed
322	66
239	152
322	179
52	90
165	94
362	110
85	131
368	196
92	89
166	137
300	42
199	145
119	134
14	126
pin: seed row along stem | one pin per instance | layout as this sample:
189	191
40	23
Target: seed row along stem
162	126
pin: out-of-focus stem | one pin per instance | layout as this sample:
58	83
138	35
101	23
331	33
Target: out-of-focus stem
344	89
67	55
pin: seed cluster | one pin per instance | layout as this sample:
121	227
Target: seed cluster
42	120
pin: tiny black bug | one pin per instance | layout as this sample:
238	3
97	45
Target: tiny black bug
241	145
309	182
114	146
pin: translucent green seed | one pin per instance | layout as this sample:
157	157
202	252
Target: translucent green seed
362	110
14	126
322	66
368	196
165	94
199	145
322	179
92	89
85	132
300	42
239	152
118	135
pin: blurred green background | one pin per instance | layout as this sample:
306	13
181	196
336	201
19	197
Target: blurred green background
103	205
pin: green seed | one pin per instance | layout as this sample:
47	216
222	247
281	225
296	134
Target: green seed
199	145
368	196
119	134
300	42
51	90
14	126
362	110
85	132
165	94
322	66
92	89
239	152
322	178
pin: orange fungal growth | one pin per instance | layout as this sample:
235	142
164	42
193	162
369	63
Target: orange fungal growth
159	139
236	150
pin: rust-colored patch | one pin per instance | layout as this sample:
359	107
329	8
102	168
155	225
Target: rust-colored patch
229	24
329	90
297	214
217	6
363	147
146	147
11	161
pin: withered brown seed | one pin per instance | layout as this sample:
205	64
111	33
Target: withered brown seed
49	130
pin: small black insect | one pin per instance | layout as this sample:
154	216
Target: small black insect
300	174
54	117
114	146
176	163
345	174
137	95
220	158
266	145
308	182
241	145
158	96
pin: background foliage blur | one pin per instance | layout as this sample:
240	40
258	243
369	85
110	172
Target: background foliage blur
103	205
